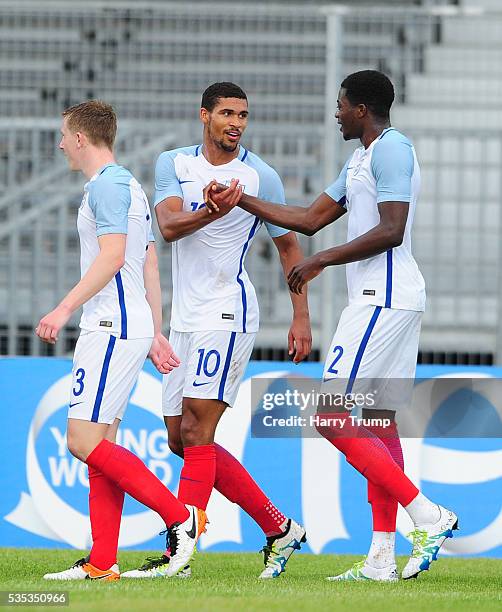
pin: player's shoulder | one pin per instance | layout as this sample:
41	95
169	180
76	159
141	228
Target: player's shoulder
393	151
110	176
392	138
256	162
172	154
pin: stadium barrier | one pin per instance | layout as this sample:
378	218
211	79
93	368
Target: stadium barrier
45	490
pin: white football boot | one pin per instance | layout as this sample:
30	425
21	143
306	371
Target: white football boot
361	571
156	567
183	538
427	540
83	570
279	549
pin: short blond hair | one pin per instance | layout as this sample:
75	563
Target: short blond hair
96	119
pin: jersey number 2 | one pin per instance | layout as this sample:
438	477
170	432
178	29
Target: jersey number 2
338	352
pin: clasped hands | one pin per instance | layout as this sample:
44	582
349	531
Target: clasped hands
221	199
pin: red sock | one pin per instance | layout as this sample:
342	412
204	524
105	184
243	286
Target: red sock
235	483
197	475
130	474
383	506
106	501
370	457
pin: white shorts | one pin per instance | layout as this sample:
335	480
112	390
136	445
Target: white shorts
212	367
105	369
373	344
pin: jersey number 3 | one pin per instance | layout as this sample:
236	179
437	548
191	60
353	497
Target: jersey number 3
79	380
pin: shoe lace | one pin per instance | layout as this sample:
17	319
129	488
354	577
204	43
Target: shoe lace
81	562
358	566
152	562
269	551
172	538
167	533
419	538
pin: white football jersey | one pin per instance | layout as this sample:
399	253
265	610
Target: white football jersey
387	171
114	203
211	288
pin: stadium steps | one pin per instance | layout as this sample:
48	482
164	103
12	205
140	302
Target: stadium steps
68	188
473	32
430	117
37	217
40	214
477	62
459	91
490	5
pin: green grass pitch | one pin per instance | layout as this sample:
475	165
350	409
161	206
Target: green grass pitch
229	582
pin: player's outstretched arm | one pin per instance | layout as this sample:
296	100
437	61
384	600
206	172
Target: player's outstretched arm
161	352
300	333
306	220
175	223
110	259
386	235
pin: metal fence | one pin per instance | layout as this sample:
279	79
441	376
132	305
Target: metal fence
153	61
39	252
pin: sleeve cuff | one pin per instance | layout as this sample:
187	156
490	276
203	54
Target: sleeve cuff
160	196
336	196
110	230
393	197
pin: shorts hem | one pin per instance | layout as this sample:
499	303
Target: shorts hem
89	419
208	397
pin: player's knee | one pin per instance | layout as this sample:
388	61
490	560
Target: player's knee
336	429
190	435
79	445
323	430
191	431
323	423
76	447
176	446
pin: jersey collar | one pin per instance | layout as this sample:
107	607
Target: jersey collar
365	151
98	173
243	153
385	132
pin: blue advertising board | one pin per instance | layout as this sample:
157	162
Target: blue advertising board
45	490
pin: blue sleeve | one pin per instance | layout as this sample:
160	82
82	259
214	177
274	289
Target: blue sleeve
110	203
392	164
166	181
338	190
272	190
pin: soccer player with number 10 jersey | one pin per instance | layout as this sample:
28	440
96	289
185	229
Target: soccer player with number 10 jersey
215	315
